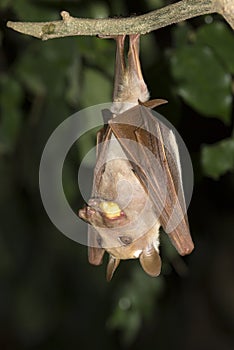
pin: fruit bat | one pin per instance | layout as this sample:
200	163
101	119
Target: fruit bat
137	186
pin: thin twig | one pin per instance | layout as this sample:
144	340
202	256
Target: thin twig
71	26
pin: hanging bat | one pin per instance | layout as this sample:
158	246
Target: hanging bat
137	185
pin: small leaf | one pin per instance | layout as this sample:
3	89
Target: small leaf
202	81
218	158
220	38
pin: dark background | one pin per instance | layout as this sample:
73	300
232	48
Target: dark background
50	297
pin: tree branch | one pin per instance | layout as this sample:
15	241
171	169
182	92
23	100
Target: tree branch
180	11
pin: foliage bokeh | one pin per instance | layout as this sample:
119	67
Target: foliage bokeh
50	296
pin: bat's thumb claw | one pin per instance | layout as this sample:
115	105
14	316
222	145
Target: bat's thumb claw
153	103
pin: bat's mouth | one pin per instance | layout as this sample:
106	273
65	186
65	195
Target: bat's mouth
102	213
109	209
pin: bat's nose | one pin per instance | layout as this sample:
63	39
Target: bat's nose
83	214
93	202
86	213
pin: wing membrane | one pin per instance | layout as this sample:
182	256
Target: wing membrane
151	135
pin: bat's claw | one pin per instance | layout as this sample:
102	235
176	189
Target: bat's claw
153	103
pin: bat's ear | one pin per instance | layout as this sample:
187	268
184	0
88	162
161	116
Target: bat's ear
111	267
153	103
151	261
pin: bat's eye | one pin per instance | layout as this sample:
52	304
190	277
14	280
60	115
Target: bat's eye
110	209
125	240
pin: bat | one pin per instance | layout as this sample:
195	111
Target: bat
137	185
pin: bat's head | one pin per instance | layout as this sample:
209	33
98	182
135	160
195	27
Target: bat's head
105	214
144	248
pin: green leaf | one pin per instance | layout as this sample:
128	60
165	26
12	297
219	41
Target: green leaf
202	81
220	39
217	159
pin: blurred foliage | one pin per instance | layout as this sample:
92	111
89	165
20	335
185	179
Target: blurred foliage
209	91
218	158
10	101
50	296
133	307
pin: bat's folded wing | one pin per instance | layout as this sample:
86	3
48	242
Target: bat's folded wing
95	252
153	152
